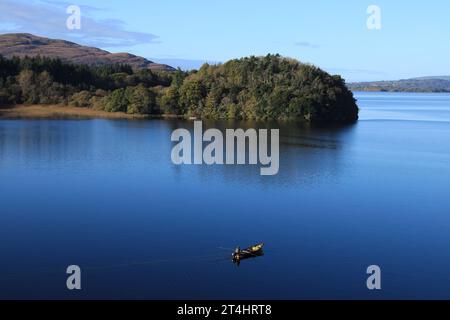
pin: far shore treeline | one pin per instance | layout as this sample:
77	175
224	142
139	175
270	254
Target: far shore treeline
270	87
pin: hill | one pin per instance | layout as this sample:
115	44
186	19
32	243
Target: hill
270	87
253	88
422	84
433	78
25	44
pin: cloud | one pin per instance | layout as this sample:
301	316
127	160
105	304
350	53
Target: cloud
306	44
66	4
48	18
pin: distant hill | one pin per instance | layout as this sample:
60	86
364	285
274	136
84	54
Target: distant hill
25	44
421	84
433	78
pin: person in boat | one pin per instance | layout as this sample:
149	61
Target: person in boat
236	254
250	252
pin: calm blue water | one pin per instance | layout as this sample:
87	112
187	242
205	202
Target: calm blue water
104	195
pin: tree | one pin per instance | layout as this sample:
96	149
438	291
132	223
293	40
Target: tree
139	99
270	87
45	88
26	80
191	96
117	101
81	99
170	101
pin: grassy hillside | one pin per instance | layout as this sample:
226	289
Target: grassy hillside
24	44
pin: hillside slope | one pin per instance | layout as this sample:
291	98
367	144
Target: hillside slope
24	44
423	84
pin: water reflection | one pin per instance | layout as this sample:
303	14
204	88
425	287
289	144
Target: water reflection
146	143
45	141
304	148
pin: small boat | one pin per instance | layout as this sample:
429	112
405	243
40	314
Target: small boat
250	252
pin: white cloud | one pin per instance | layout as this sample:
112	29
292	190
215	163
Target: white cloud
48	18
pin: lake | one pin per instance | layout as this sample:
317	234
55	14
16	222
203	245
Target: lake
104	195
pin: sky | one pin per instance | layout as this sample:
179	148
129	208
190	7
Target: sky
413	39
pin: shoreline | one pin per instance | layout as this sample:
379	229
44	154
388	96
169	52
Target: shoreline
64	112
67	112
